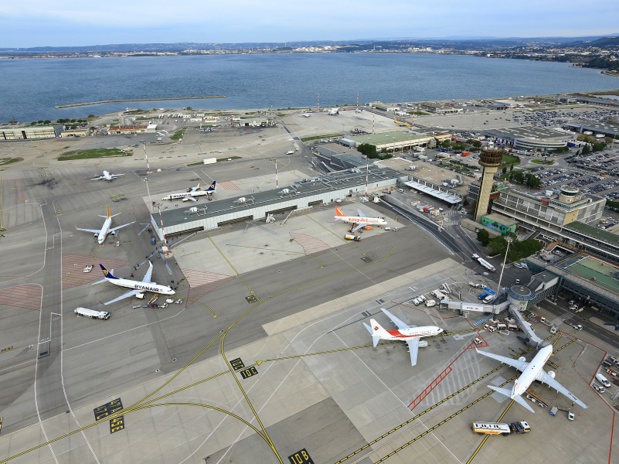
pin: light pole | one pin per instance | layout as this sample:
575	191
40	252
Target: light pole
508	240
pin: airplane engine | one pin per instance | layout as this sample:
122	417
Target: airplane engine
113	233
96	235
552	374
422	343
367	228
522	359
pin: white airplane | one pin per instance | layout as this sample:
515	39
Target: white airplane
101	234
107	176
193	193
361	221
411	334
136	286
334	112
531	371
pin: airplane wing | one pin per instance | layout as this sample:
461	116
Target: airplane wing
114	176
357	227
398	322
413	348
129	294
509	361
548	380
92	231
97	178
149	274
189	198
360	213
114	229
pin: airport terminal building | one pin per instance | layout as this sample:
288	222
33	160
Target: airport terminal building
301	195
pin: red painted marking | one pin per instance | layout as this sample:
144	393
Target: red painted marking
27	296
73	266
424	394
612	432
229	185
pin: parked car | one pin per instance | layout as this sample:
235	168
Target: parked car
598	388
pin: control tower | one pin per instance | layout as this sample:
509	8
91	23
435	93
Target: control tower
489	160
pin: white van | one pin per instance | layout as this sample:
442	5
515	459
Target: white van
91	313
430	303
603	380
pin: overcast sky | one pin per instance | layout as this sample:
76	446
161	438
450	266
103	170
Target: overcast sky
29	23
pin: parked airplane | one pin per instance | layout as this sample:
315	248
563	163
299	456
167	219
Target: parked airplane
531	371
411	334
106	229
107	176
193	193
361	221
136	286
334	112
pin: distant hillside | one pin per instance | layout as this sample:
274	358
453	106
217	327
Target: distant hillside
605	42
459	43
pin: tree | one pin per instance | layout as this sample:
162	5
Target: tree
368	150
586	149
497	245
483	237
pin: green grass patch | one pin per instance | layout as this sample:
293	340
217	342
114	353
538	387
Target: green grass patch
4	161
541	161
318	137
94	153
178	135
228	158
507	160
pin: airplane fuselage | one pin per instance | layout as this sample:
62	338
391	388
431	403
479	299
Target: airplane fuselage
370	221
105	229
183	195
413	332
142	286
533	371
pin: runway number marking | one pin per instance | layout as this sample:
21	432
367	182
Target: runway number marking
249	372
237	364
300	457
108	409
117	424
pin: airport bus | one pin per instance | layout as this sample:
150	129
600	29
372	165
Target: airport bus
491	428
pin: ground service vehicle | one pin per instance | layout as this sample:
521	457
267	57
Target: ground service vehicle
356	238
430	303
603	380
484	263
497	428
438	294
91	313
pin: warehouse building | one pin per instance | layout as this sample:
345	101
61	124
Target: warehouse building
391	140
28	133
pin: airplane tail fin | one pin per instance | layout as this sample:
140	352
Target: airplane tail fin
517	398
378	332
339	212
107	274
212	187
375	338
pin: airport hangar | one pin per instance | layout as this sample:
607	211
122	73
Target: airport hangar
298	196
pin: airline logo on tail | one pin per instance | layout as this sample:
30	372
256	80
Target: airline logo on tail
107	274
212	187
